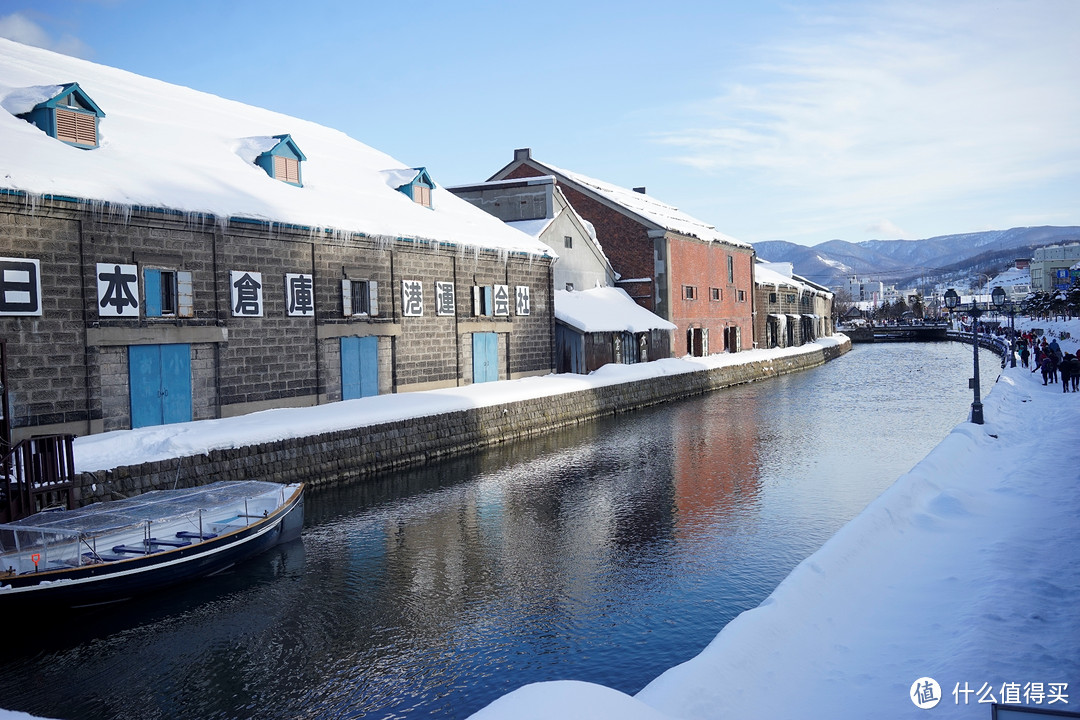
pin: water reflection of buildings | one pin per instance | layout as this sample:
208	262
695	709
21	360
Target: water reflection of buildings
716	465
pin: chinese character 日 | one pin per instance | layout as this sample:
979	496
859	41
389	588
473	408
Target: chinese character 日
20	286
412	298
118	290
299	295
246	293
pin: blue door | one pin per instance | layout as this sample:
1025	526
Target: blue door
359	367
485	357
159	379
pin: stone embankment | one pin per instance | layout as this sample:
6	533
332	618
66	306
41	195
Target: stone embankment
347	455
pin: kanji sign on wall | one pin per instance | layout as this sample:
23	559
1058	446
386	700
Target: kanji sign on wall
118	290
247	293
299	295
412	298
20	286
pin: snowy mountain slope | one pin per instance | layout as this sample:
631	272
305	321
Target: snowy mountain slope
893	260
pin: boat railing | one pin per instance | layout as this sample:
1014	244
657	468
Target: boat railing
37	473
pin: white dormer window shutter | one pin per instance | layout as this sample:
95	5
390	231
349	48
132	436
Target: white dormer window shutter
346	297
185	295
373	297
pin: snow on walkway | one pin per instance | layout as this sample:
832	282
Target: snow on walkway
965	571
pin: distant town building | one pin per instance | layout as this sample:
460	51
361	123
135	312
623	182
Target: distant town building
595	322
1016	281
674	265
789	309
1051	267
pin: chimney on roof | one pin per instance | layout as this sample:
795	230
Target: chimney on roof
640	189
522	154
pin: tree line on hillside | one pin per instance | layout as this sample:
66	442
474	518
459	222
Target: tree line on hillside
1061	305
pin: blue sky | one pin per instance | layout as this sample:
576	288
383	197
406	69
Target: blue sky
797	121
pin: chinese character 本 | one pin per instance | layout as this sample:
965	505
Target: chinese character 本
118	290
412	298
523	306
444	298
299	294
247	293
502	300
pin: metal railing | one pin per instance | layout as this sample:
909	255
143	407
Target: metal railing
36	474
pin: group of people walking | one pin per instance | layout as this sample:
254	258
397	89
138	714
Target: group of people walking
1051	361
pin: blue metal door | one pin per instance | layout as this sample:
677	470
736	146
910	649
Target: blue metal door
159	379
176	383
359	367
485	357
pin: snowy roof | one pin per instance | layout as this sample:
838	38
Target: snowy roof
774	274
167	146
649	208
1012	276
605	309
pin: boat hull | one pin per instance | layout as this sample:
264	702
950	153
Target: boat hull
112	581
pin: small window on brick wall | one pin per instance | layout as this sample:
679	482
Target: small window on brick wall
168	293
359	298
689	292
715	293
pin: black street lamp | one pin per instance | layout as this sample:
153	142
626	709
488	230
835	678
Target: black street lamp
998	298
951	301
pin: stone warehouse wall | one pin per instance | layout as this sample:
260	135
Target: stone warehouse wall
350	454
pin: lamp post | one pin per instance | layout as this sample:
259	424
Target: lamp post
951	301
998	298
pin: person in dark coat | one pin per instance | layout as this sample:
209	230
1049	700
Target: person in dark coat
1065	367
1025	355
1074	371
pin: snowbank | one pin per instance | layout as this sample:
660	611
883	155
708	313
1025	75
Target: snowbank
965	571
105	451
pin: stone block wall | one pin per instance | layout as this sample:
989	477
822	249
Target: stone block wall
346	455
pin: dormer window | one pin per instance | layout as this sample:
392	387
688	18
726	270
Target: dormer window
282	160
419	186
69	115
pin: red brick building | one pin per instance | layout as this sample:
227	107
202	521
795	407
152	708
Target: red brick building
679	267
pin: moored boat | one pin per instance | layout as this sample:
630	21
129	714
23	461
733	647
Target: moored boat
115	550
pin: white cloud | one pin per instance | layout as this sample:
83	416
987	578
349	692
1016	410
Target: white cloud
880	110
22	29
886	230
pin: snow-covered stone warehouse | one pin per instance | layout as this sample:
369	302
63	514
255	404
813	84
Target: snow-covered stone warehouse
167	255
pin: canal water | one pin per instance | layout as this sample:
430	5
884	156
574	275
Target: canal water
607	552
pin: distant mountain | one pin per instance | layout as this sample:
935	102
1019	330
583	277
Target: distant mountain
914	263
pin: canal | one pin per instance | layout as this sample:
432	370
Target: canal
607	552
